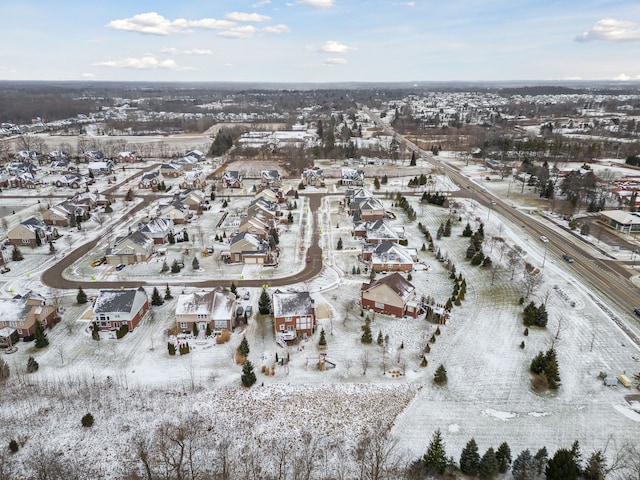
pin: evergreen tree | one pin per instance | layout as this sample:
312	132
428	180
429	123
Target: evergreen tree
467	232
129	196
376	183
412	163
339	246
87	420
541	316
172	348
194	329
290	217
470	458
541	458
596	467
32	365
529	314
81	297
243	348
264	303
524	467
366	334
4	370
380	339
95	331
16	255
435	459
488	467
40	336
167	293
323	341
156	299
503	456
195	265
248	377
175	268
234	289
447	228
440	232
562	466
165	267
440	377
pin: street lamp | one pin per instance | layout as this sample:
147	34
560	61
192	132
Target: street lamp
544	259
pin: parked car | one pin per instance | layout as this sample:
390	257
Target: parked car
5	269
239	311
248	311
247	296
635	310
120	266
544	239
568	258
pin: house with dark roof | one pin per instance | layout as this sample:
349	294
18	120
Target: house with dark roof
21	313
114	308
248	248
72	180
390	294
170	170
378	231
150	180
313	177
270	178
135	247
352	177
389	257
157	229
32	233
294	314
214	309
61	214
231	179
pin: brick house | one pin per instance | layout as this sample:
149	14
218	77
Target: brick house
23	311
215	309
378	231
32	233
389	257
231	179
115	308
392	295
294	314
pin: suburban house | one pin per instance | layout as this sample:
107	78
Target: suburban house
231	179
258	226
127	157
32	232
116	308
368	209
270	178
170	170
268	194
150	180
294	314
61	214
175	211
215	309
389	257
352	177
261	206
93	156
72	180
157	229
197	154
90	199
378	231
193	180
24	180
135	247
313	177
186	163
390	294
247	248
102	167
21	313
191	199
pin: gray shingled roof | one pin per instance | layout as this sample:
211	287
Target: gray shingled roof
109	301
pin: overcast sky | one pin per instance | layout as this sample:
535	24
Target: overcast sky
320	40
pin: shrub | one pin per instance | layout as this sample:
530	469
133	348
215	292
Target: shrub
223	337
171	347
87	420
122	331
32	365
13	446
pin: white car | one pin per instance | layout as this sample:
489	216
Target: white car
544	239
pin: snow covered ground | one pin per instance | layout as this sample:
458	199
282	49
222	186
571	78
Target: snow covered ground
488	395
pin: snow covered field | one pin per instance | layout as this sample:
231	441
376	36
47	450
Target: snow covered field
488	395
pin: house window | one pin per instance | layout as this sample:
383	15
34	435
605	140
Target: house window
290	328
282	327
379	305
13	324
183	324
287	319
26	241
104	324
116	325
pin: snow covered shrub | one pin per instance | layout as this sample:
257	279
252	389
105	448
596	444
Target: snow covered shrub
87	420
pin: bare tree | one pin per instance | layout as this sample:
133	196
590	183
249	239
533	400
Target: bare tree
514	257
364	361
376	455
531	281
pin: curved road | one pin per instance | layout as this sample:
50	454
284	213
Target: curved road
53	277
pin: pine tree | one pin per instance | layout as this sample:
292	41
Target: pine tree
470	458
195	265
440	377
596	467
32	365
156	299
234	289
541	458
87	420
248	377
165	267
339	246
447	228
488	467
380	339
366	334
323	341
81	297
435	459
175	267
16	255
171	347
541	316
243	348
467	232
562	466
167	293
40	336
503	456
524	466
264	303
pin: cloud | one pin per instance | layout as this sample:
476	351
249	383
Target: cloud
245	31
247	17
195	51
88	75
623	77
148	62
318	3
611	30
405	4
152	23
336	47
332	62
261	4
276	29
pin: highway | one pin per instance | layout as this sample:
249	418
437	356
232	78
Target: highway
608	279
